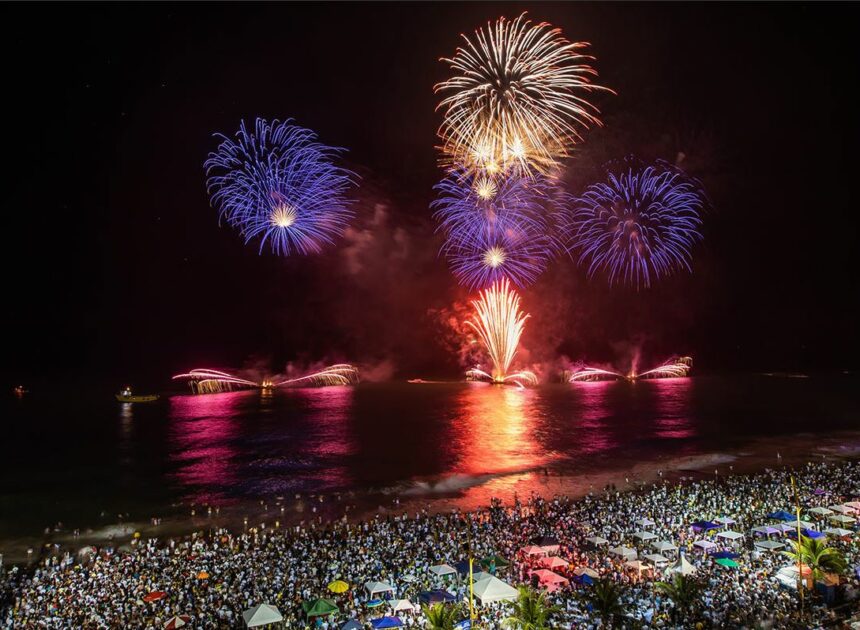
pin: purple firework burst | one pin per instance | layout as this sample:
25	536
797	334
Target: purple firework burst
638	225
279	184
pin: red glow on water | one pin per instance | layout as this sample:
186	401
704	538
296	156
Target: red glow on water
673	405
594	436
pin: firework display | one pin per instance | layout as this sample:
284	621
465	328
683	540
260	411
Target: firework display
638	225
516	97
499	323
279	184
206	381
673	368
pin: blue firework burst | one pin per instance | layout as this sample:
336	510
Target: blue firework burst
280	185
638	225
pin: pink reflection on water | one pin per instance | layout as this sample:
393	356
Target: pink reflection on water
672	407
593	433
328	411
201	434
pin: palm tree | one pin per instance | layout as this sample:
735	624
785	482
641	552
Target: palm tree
441	616
683	591
531	611
815	554
605	599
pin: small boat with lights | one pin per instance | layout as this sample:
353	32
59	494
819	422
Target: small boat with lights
126	396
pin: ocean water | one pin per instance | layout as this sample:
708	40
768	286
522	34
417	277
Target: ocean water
301	454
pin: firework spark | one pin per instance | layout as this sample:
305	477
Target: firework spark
639	225
206	381
498	227
673	368
279	184
499	323
516	97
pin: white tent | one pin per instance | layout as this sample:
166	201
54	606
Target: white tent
586	571
492	589
682	566
663	546
766	530
769	545
852	504
725	520
624	552
400	604
644	522
374	588
262	615
443	569
803	524
597	540
707	545
643	535
823	511
638	565
842	509
730	535
656	559
837	531
841	518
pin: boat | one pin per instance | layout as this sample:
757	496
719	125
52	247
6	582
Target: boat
126	396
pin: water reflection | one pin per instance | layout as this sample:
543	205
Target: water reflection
593	433
672	407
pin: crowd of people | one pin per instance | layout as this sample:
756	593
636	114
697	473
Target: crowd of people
213	577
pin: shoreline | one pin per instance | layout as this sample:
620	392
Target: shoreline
467	494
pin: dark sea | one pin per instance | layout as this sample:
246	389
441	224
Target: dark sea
106	468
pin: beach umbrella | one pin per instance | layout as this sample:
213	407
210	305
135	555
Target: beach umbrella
203	575
373	603
262	615
319	608
724	554
727	562
177	622
387	622
338	586
352	624
154	596
580	571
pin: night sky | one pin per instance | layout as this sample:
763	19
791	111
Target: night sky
118	271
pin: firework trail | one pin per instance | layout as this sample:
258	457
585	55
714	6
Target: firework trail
499	323
673	368
279	184
516	97
638	225
500	227
206	381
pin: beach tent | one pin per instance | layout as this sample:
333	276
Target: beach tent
319	608
644	522
707	545
638	565
435	597
442	570
725	554
852	504
842	509
803	524
550	580
352	624
386	622
374	588
730	535
663	546
809	533
262	615
177	622
626	553
597	541
400	604
492	589
463	567
727	562
656	559
580	571
785	528
725	520
842	519
554	562
643	535
533	550
704	526
838	532
495	562
769	545
682	566
408	578
781	515
821	511
766	530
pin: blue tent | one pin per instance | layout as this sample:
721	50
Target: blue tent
809	533
725	554
463	567
352	624
387	622
704	526
781	515
435	597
